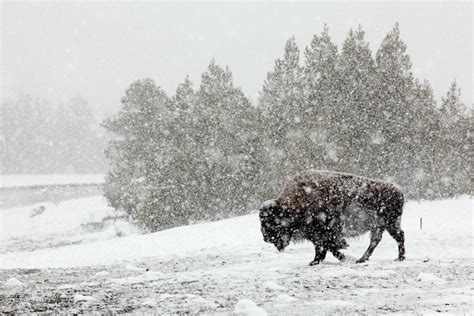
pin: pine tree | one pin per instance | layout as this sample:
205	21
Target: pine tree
226	134
281	103
394	89
424	135
451	105
455	138
355	115
321	59
321	96
138	157
184	151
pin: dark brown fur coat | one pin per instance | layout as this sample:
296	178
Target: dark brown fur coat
324	207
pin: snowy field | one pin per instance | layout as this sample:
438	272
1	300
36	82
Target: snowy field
79	257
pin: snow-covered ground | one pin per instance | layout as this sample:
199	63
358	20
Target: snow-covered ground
26	180
76	257
50	225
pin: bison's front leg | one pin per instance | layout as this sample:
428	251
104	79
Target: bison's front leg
375	238
320	254
336	245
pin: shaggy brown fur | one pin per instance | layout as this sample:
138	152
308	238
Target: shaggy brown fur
324	207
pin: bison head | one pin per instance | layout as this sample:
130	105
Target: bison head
275	225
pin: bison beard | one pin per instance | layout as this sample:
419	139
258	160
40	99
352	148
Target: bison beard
325	207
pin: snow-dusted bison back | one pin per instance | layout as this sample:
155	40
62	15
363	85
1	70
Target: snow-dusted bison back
324	207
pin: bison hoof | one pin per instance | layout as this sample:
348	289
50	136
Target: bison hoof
313	263
342	258
400	258
361	260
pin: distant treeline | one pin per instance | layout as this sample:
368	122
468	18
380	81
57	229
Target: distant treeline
208	153
37	138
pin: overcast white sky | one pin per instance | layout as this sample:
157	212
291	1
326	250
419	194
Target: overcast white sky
56	50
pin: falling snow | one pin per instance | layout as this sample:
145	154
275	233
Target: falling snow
150	206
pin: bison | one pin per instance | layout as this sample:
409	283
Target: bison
325	207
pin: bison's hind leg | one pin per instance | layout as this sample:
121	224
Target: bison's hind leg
397	233
375	238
